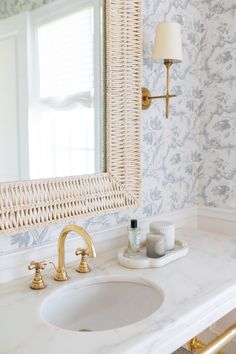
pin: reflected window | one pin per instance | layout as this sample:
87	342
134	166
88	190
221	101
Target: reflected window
65	130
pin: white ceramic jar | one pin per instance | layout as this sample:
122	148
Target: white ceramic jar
167	229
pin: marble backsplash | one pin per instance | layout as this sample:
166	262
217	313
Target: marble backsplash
189	158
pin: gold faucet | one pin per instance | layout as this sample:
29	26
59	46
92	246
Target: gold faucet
61	273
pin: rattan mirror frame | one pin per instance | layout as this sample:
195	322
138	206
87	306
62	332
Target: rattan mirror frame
28	204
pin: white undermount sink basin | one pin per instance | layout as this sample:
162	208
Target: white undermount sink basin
102	304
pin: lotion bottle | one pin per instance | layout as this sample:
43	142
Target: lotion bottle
133	239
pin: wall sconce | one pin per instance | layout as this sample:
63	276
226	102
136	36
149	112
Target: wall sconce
167	47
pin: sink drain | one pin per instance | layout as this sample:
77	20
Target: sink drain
85	330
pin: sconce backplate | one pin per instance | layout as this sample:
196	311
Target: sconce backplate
146	98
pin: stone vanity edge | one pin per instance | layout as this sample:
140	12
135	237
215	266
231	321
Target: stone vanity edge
182	323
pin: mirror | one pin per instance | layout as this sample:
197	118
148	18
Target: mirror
28	204
51	83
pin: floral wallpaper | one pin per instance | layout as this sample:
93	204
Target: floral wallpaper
14	7
191	157
217	129
170	147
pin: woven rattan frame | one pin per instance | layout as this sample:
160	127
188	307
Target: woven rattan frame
28	204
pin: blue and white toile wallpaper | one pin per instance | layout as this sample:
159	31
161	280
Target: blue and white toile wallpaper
190	158
217	129
14	7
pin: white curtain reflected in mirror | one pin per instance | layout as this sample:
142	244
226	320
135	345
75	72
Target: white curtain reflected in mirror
63	133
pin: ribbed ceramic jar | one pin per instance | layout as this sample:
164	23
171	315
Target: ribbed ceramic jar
167	229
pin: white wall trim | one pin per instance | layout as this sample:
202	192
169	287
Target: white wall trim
221	221
219	213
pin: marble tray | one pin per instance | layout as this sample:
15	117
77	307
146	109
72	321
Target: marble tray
142	261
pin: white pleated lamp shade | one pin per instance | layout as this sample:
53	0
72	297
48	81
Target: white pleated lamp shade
168	42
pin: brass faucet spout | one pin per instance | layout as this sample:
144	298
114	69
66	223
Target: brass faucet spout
61	273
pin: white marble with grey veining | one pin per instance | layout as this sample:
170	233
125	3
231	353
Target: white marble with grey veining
199	289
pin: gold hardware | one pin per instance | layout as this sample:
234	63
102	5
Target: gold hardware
146	98
195	345
61	273
83	266
146	95
198	347
37	282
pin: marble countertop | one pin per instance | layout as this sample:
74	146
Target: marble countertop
199	289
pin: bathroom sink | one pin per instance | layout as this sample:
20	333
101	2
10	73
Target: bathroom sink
101	304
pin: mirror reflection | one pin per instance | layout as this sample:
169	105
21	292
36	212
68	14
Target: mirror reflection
51	82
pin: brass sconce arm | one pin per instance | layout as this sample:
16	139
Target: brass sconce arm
163	96
146	95
147	98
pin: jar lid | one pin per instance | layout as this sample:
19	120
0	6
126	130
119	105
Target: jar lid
157	226
162	223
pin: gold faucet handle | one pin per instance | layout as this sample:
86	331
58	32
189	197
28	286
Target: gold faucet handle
37	282
82	252
83	266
